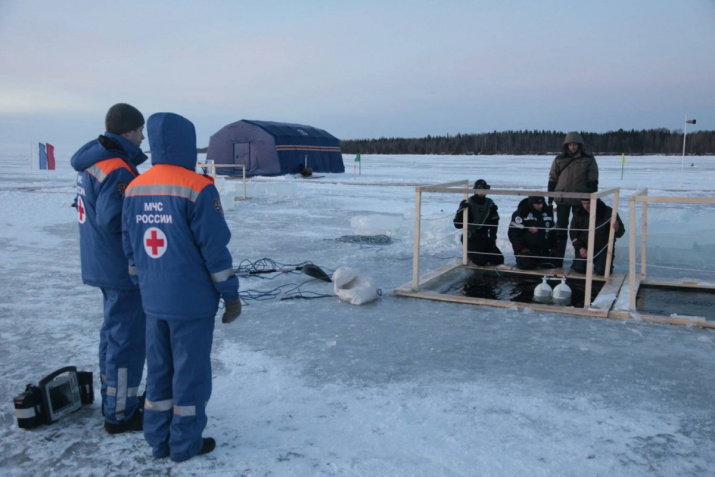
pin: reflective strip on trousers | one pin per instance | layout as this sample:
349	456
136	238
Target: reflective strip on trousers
131	392
159	406
185	410
121	393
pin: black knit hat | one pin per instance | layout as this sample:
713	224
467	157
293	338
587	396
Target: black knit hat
122	118
481	184
535	199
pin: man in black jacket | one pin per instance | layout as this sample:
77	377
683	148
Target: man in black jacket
483	221
579	236
531	234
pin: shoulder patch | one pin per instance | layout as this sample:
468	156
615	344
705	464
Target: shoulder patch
518	220
121	188
217	205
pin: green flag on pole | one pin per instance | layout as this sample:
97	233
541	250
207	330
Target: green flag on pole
357	158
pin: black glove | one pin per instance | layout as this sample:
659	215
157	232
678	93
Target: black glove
232	311
551	201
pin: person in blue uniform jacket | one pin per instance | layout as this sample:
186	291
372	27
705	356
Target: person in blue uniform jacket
105	166
176	238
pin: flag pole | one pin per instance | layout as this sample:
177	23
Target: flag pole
682	159
685	132
623	163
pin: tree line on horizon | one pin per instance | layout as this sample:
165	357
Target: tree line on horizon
644	142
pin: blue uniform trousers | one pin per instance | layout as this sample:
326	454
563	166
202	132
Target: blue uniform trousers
121	353
178	385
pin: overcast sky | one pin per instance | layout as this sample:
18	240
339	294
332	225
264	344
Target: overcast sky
358	69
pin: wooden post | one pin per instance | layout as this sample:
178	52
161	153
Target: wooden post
632	252
589	260
465	229
644	239
243	167
213	167
612	234
416	251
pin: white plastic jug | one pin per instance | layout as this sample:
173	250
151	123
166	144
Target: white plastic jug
562	293
542	292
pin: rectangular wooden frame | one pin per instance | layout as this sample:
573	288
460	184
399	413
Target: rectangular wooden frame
614	285
613	282
635	279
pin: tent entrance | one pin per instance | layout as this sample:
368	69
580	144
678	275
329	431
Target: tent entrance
242	154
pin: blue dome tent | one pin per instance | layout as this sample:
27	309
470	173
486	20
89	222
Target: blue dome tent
269	148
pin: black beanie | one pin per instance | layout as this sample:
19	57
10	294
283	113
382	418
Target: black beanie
122	118
536	200
481	184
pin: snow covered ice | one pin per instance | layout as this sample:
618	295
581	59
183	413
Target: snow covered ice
397	387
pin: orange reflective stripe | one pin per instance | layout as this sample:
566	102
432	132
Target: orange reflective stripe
102	169
169	174
109	165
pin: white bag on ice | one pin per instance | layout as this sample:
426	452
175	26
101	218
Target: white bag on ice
351	287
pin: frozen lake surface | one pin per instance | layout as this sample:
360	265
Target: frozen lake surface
399	386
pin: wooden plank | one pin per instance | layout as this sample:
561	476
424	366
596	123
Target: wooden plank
501	304
663	319
679	200
462	183
540	193
632	251
431	275
678	283
611	287
611	232
416	245
543	272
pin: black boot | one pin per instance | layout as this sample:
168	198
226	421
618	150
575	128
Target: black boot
209	445
133	424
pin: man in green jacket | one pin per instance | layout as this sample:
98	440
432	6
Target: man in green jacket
574	170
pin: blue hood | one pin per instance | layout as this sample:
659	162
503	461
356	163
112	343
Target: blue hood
172	139
107	146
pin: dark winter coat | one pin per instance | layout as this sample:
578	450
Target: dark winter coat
175	235
105	167
539	243
579	227
573	173
483	217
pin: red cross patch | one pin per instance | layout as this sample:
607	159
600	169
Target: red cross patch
154	242
81	211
